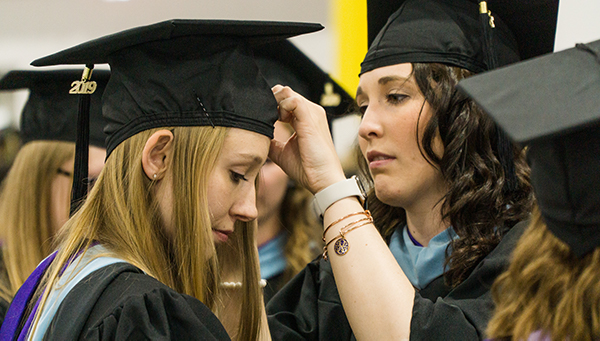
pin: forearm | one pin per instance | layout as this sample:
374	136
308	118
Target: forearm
376	295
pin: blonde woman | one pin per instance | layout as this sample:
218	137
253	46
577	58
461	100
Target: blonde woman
34	202
550	290
164	246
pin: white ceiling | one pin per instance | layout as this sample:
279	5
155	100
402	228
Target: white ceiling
30	29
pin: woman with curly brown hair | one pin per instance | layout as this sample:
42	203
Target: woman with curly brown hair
550	290
447	188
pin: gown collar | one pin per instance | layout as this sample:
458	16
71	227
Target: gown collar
421	264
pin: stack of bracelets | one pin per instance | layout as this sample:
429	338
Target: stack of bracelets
341	245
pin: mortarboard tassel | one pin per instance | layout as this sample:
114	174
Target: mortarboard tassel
503	144
84	89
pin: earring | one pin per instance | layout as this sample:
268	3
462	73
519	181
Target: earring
154	176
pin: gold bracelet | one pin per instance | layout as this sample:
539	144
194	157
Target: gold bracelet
365	212
342	245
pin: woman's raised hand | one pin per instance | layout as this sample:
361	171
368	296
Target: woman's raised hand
308	156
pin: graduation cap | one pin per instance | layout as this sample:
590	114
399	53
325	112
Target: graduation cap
183	73
50	112
552	104
281	62
472	34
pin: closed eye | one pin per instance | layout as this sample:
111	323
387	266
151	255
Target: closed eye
237	177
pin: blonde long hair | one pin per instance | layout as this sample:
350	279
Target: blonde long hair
547	288
122	215
304	238
25	208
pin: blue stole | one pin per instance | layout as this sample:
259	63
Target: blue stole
271	256
421	264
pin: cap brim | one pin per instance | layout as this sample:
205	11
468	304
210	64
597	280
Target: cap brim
541	97
254	32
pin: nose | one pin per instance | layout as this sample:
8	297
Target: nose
370	126
244	208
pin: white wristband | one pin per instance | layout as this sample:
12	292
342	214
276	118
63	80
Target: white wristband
339	190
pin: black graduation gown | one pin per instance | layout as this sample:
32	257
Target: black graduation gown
274	284
120	302
309	306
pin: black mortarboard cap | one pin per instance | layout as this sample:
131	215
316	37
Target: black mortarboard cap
552	104
51	112
281	62
183	73
454	32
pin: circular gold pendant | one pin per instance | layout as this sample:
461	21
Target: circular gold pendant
341	246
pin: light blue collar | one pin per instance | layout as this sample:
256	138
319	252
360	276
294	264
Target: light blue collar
271	256
421	264
93	259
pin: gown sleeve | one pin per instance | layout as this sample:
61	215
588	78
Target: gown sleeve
309	306
119	302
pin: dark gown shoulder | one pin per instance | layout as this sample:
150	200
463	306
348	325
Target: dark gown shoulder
274	284
120	302
309	306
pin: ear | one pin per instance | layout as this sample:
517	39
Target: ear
157	153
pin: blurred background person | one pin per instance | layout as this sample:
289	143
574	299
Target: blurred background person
10	143
551	104
289	233
36	193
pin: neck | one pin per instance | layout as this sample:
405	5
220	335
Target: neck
268	228
425	222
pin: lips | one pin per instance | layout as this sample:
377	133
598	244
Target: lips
378	159
221	236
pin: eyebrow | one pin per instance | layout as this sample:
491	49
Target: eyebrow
384	81
252	157
387	79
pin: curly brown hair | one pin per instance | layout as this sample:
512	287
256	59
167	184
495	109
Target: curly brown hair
548	288
480	204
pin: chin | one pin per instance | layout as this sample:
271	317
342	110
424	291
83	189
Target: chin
388	195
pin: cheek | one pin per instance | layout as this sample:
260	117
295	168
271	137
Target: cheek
362	144
217	194
61	189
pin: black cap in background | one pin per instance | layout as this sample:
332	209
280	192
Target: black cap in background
51	112
454	32
283	63
552	104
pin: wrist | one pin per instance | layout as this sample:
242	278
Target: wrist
326	197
